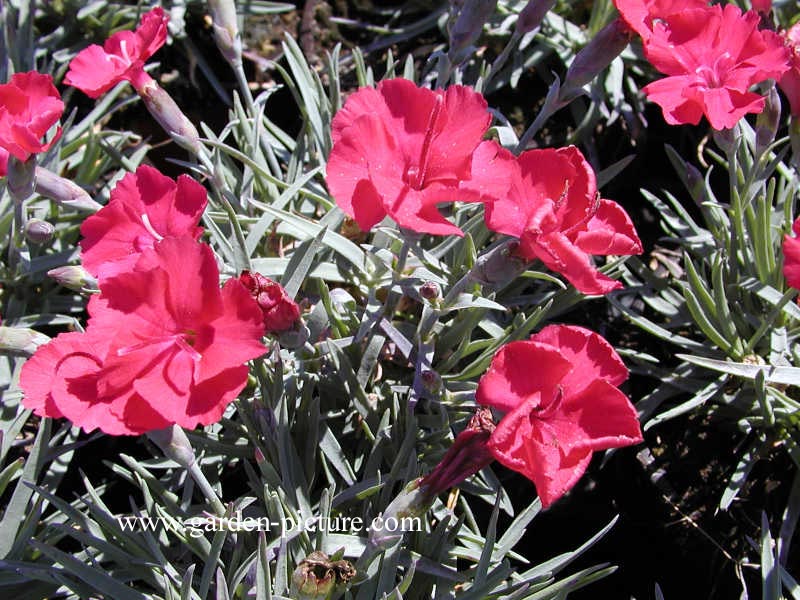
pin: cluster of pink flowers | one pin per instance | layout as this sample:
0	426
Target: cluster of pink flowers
711	56
164	344
400	150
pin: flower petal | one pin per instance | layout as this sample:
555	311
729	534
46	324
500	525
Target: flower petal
590	355
520	371
609	231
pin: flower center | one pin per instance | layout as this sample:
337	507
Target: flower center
184	340
547	409
149	227
416	173
715	74
124	59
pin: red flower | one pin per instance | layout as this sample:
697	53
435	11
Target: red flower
790	82
3	162
400	150
763	6
145	207
554	208
29	106
96	70
559	390
165	345
279	310
791	257
712	56
641	15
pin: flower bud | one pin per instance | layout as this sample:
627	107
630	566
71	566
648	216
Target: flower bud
317	576
20	340
75	278
174	444
595	56
532	15
468	27
21	177
768	120
279	310
38	231
431	381
67	193
295	337
169	116
499	266
226	29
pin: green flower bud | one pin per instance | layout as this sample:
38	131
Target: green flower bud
75	278
20	340
226	29
67	193
174	444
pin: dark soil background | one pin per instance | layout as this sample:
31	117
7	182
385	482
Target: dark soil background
665	491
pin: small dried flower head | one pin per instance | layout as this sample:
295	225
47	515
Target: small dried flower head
430	290
280	311
317	576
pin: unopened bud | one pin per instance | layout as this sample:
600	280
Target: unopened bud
431	381
67	193
468	27
768	120
696	183
21	177
412	502
317	576
532	15
295	337
596	56
226	29
794	138
169	116
499	266
20	340
38	231
74	277
174	444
